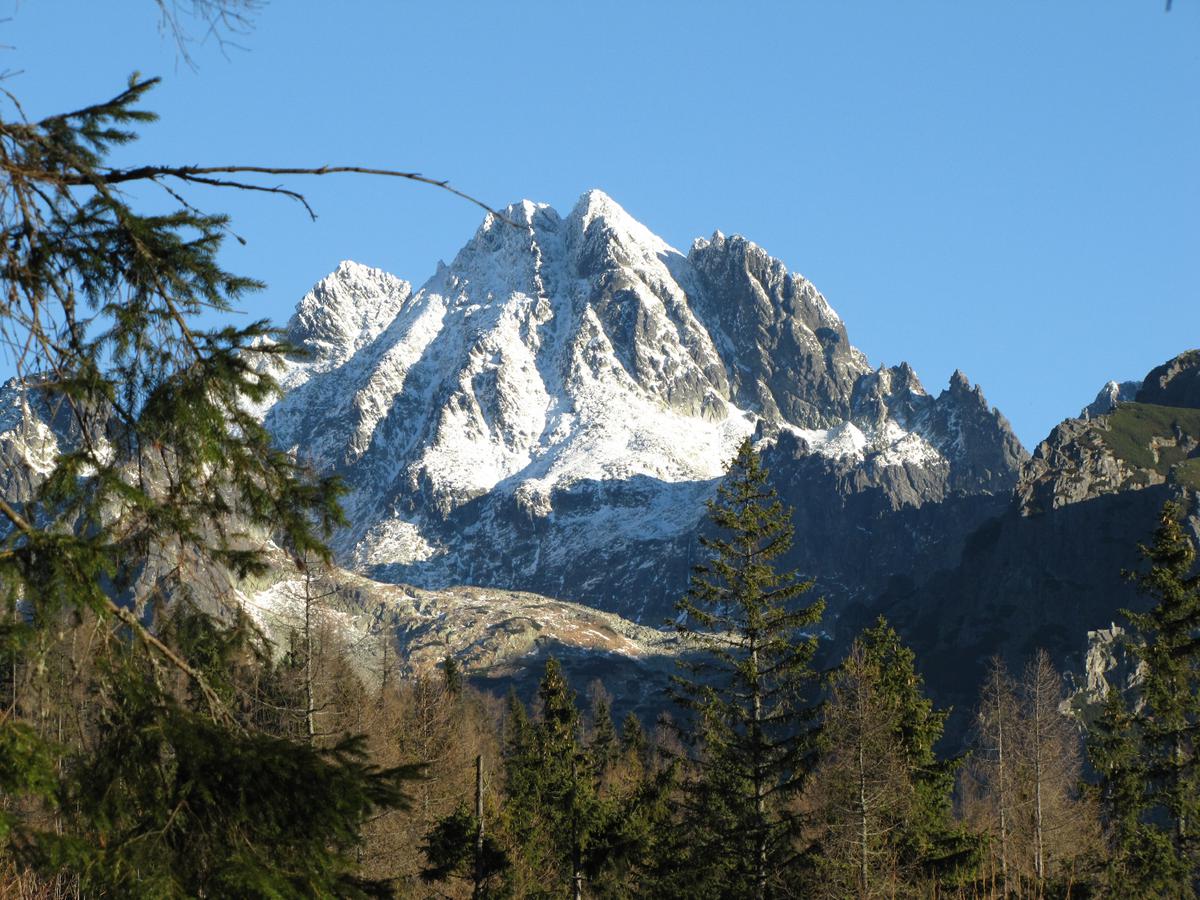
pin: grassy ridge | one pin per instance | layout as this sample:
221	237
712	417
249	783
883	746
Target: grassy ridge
1133	426
1188	474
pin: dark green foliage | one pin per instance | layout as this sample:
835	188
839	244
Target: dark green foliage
604	747
164	491
745	690
452	675
594	815
450	851
630	855
1132	427
1145	753
551	809
633	737
930	844
27	769
1141	863
170	803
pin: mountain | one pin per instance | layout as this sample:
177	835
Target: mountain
1109	397
546	416
550	412
1048	569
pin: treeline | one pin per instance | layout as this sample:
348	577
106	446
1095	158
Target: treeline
770	779
763	777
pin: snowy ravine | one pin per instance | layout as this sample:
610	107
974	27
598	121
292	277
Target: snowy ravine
550	411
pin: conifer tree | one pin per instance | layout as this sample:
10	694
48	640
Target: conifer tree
167	802
930	845
745	687
1141	862
633	737
453	851
551	809
167	490
1150	777
603	747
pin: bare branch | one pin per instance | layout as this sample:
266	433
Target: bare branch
218	19
198	174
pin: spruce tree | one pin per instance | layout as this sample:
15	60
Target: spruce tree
633	737
165	801
745	689
551	808
603	748
1150	776
1140	863
931	847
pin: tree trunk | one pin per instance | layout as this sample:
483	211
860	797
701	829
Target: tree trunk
863	875
1003	800
1181	820
1039	864
383	672
576	861
478	890
760	806
309	706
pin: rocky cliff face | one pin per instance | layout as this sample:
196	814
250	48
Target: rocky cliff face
551	410
29	441
1153	439
1048	569
1175	383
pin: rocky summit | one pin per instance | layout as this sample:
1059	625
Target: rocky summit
551	411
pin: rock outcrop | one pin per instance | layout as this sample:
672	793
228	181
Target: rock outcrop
500	638
1174	383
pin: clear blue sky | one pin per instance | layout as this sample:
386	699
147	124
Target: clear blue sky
1009	187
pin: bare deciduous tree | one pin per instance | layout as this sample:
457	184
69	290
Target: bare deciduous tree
861	790
988	782
1023	785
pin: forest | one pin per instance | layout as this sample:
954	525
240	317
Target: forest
154	743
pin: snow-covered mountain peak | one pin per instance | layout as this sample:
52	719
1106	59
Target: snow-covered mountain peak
595	205
522	213
1109	396
344	311
599	235
571	386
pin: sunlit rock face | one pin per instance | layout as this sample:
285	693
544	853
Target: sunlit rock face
551	411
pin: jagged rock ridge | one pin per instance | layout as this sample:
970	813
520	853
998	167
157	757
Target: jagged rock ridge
1047	570
550	411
